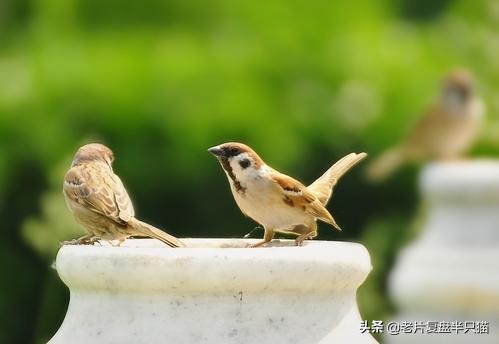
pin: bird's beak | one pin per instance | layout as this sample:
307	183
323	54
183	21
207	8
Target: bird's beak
217	151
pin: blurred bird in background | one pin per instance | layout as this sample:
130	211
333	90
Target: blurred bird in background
99	201
446	130
276	201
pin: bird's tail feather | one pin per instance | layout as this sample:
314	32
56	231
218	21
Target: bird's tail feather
147	230
322	188
386	164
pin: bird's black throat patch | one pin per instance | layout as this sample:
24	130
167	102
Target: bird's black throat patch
226	166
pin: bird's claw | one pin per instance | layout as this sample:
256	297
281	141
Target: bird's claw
259	244
68	242
81	241
299	243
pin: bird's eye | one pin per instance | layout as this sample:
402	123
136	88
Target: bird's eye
245	163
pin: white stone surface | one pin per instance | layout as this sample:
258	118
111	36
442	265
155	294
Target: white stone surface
216	291
451	273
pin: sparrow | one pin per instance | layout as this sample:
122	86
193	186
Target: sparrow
445	131
276	201
99	201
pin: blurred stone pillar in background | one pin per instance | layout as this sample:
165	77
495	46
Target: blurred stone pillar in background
450	275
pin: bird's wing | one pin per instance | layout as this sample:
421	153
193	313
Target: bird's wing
99	190
322	188
122	199
296	194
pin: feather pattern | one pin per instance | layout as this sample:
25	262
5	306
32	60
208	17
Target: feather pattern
303	198
99	190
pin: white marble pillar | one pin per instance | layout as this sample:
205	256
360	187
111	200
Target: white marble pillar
451	272
216	291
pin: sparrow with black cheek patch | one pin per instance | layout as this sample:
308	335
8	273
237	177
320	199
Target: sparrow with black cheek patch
99	201
445	131
276	201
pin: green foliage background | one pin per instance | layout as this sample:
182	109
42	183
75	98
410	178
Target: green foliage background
303	82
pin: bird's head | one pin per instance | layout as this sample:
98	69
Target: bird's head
237	159
93	152
457	88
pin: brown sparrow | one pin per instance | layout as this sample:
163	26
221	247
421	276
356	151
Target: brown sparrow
445	131
99	201
276	201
